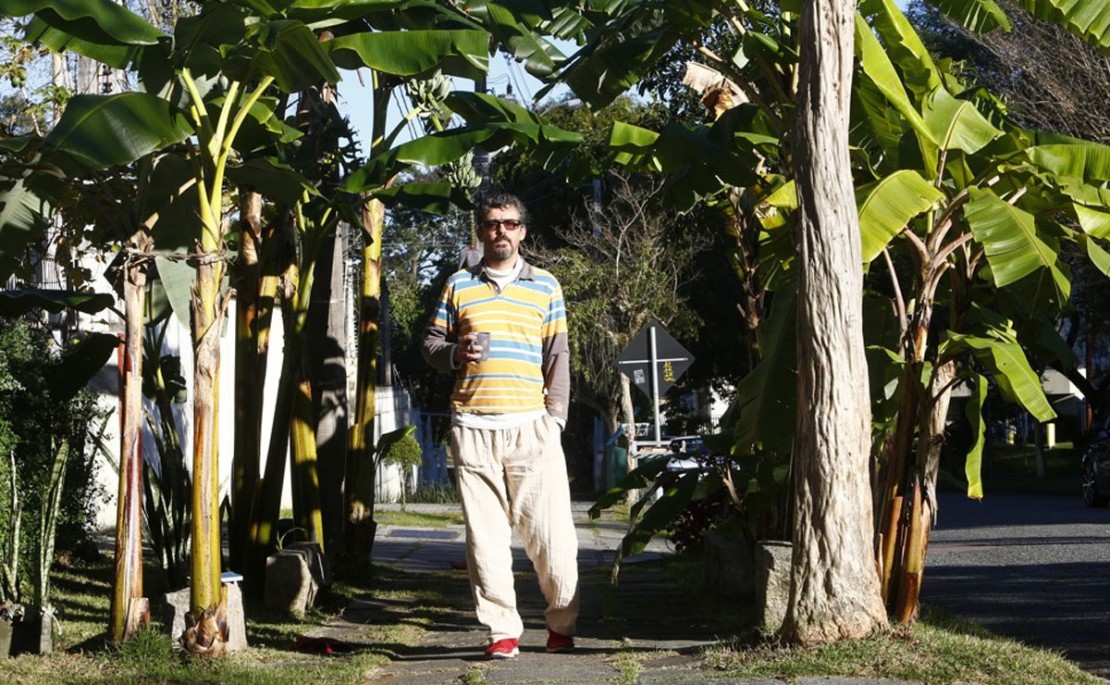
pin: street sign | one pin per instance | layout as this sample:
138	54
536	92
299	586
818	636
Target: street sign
654	361
671	359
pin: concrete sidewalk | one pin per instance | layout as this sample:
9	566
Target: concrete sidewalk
646	630
442	549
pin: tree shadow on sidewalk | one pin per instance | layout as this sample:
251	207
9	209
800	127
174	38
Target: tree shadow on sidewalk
655	605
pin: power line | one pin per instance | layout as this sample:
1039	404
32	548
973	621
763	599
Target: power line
519	80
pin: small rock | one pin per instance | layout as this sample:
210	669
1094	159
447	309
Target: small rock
317	563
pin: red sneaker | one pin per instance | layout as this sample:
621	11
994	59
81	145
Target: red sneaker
557	642
504	649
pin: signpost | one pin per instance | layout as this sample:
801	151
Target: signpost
654	361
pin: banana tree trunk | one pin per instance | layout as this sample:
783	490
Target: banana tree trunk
128	585
305	476
326	354
361	473
267	505
206	561
923	503
326	333
890	533
306	468
252	340
293	432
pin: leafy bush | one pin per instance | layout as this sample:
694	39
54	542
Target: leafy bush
34	426
404	452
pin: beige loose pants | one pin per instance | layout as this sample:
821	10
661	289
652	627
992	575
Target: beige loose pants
517	478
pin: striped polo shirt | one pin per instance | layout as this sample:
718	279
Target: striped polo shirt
520	319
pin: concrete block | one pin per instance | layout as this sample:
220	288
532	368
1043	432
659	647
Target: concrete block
729	566
236	618
772	583
178	604
317	562
291	585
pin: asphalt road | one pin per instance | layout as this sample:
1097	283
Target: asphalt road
1032	567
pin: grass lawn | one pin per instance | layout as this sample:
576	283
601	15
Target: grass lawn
416	519
939	650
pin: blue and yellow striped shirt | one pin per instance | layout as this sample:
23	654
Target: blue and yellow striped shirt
528	366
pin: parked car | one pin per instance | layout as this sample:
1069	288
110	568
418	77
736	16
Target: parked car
689	454
1096	468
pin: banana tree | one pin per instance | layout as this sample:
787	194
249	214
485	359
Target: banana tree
982	222
137	123
211	82
968	213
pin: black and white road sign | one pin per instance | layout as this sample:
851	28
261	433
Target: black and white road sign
654	346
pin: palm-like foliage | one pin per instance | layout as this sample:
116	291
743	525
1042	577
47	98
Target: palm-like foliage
212	94
963	216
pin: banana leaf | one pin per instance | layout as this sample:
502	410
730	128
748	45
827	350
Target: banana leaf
1088	19
980	16
461	53
973	467
1003	356
79	364
886	208
23	217
1009	236
96	21
19	302
105	130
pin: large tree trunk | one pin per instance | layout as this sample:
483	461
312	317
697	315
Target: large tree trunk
835	589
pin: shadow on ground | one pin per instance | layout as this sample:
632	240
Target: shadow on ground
655	618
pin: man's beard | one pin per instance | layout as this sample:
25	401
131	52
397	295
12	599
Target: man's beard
502	252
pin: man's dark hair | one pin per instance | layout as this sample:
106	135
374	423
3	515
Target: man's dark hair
499	199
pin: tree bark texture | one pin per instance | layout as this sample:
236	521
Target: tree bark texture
835	588
128	585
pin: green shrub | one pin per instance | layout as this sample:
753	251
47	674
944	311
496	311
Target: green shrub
32	427
404	453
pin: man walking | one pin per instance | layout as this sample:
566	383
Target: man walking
508	409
